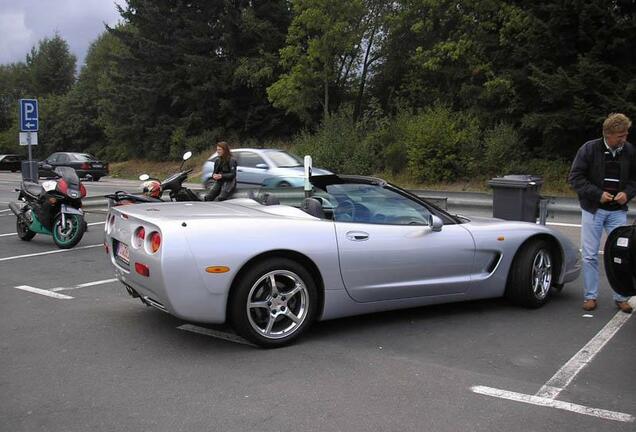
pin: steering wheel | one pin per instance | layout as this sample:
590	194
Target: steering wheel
345	211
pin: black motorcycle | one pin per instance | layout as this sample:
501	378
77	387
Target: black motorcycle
53	208
153	189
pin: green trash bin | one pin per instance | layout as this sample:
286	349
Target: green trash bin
516	197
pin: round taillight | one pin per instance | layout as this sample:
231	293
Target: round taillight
139	237
155	241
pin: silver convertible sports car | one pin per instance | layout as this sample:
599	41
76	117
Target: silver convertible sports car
356	245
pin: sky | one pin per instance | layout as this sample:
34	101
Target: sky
25	22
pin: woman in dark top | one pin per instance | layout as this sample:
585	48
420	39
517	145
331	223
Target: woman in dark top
224	174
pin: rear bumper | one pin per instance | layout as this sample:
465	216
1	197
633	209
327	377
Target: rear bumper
173	286
97	172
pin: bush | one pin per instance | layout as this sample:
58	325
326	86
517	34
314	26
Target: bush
554	174
441	144
338	145
503	150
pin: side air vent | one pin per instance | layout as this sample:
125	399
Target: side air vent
494	262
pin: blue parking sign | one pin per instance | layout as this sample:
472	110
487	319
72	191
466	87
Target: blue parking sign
29	121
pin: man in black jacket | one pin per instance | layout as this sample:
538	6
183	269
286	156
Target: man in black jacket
603	175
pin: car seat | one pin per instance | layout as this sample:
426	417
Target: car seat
313	207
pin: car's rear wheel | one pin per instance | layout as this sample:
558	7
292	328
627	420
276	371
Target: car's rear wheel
531	274
273	302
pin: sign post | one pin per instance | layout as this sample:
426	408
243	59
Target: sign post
29	125
308	186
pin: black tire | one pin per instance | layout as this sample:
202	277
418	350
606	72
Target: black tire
531	274
268	323
96	178
24	233
71	234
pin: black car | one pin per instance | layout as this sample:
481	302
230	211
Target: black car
10	162
86	165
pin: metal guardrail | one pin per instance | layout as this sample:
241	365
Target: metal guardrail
454	202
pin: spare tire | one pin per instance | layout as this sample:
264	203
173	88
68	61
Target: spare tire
620	260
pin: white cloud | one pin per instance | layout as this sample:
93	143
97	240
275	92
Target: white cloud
25	22
15	38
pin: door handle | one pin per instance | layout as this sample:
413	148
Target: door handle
357	236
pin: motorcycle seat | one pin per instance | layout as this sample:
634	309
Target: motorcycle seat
34	189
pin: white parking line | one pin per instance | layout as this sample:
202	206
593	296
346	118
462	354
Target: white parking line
50	252
546	396
84	285
551	403
215	333
566	374
43	292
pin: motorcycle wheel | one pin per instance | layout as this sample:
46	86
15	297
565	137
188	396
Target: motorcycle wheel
24	233
68	236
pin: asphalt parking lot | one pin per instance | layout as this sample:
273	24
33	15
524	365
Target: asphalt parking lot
78	354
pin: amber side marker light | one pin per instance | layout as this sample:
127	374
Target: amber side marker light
217	269
501	238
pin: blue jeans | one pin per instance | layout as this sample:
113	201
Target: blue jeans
592	225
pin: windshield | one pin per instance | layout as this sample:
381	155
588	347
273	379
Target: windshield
83	157
68	174
283	159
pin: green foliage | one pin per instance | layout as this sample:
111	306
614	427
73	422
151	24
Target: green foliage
330	48
442	145
554	173
338	145
503	150
51	66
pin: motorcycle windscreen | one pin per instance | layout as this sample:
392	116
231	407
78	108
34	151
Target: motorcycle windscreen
68	174
620	260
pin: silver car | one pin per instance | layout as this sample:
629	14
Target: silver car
263	167
358	245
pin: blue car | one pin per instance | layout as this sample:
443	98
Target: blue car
263	167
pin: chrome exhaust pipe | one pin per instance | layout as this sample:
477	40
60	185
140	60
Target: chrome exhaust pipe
132	292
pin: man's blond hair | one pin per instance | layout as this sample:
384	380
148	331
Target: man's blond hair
615	123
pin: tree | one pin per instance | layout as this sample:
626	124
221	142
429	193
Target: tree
51	66
320	51
194	71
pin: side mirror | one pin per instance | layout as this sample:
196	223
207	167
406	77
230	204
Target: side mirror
261	166
144	177
187	155
435	223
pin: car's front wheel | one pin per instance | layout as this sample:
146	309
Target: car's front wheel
273	302
531	274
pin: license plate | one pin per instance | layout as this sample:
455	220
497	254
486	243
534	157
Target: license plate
71	210
97	165
123	253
